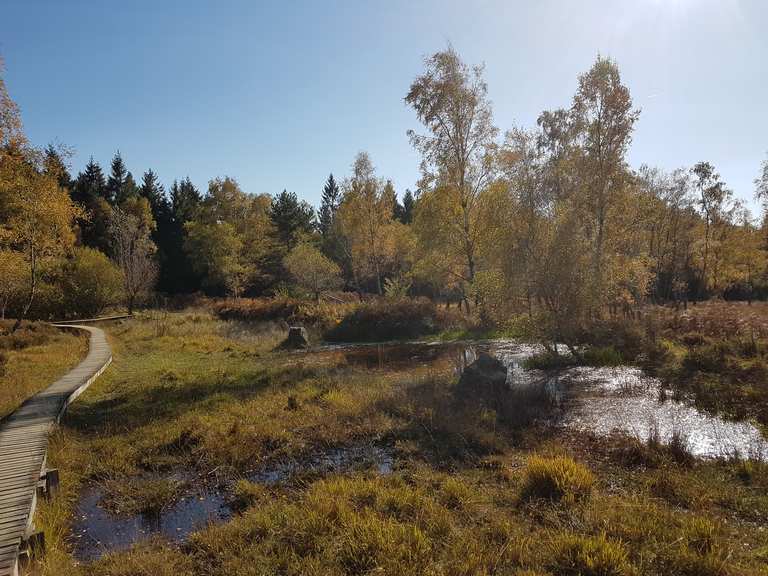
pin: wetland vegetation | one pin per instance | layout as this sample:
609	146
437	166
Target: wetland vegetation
223	455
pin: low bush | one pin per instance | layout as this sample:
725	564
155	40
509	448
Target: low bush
549	360
322	315
751	472
141	495
90	283
28	334
697	552
455	494
602	356
631	452
676	489
679	447
693	339
559	479
373	544
383	319
626	338
709	358
257	309
700	534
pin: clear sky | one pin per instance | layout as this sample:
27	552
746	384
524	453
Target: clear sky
280	94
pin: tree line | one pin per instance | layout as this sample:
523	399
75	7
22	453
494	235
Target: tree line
549	219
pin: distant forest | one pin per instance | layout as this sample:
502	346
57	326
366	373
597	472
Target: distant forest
549	217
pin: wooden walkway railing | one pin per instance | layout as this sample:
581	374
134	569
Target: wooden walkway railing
23	448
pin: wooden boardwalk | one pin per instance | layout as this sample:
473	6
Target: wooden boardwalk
23	448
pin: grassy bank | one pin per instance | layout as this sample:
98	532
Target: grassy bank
471	492
34	357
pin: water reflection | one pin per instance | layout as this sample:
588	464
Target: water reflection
602	400
97	531
358	457
598	400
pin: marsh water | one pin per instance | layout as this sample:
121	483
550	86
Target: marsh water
597	400
97	531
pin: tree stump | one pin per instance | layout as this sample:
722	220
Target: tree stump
297	338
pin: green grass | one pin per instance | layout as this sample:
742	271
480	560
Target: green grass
191	392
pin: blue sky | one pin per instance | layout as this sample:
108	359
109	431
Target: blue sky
280	94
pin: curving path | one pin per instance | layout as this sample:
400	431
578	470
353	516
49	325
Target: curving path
23	448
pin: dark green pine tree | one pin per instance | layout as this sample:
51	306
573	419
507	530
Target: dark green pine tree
398	212
328	206
152	190
185	201
291	218
408	205
176	272
166	235
89	185
128	190
90	191
116	179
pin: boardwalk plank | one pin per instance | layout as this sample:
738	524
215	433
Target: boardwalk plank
24	443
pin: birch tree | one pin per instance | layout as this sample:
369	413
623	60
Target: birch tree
312	270
365	220
451	101
602	119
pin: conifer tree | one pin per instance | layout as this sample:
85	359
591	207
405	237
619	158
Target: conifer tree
185	201
408	205
329	205
152	190
177	275
116	179
89	185
164	232
291	218
90	191
128	190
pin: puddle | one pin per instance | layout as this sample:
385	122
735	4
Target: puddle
333	461
458	355
96	531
